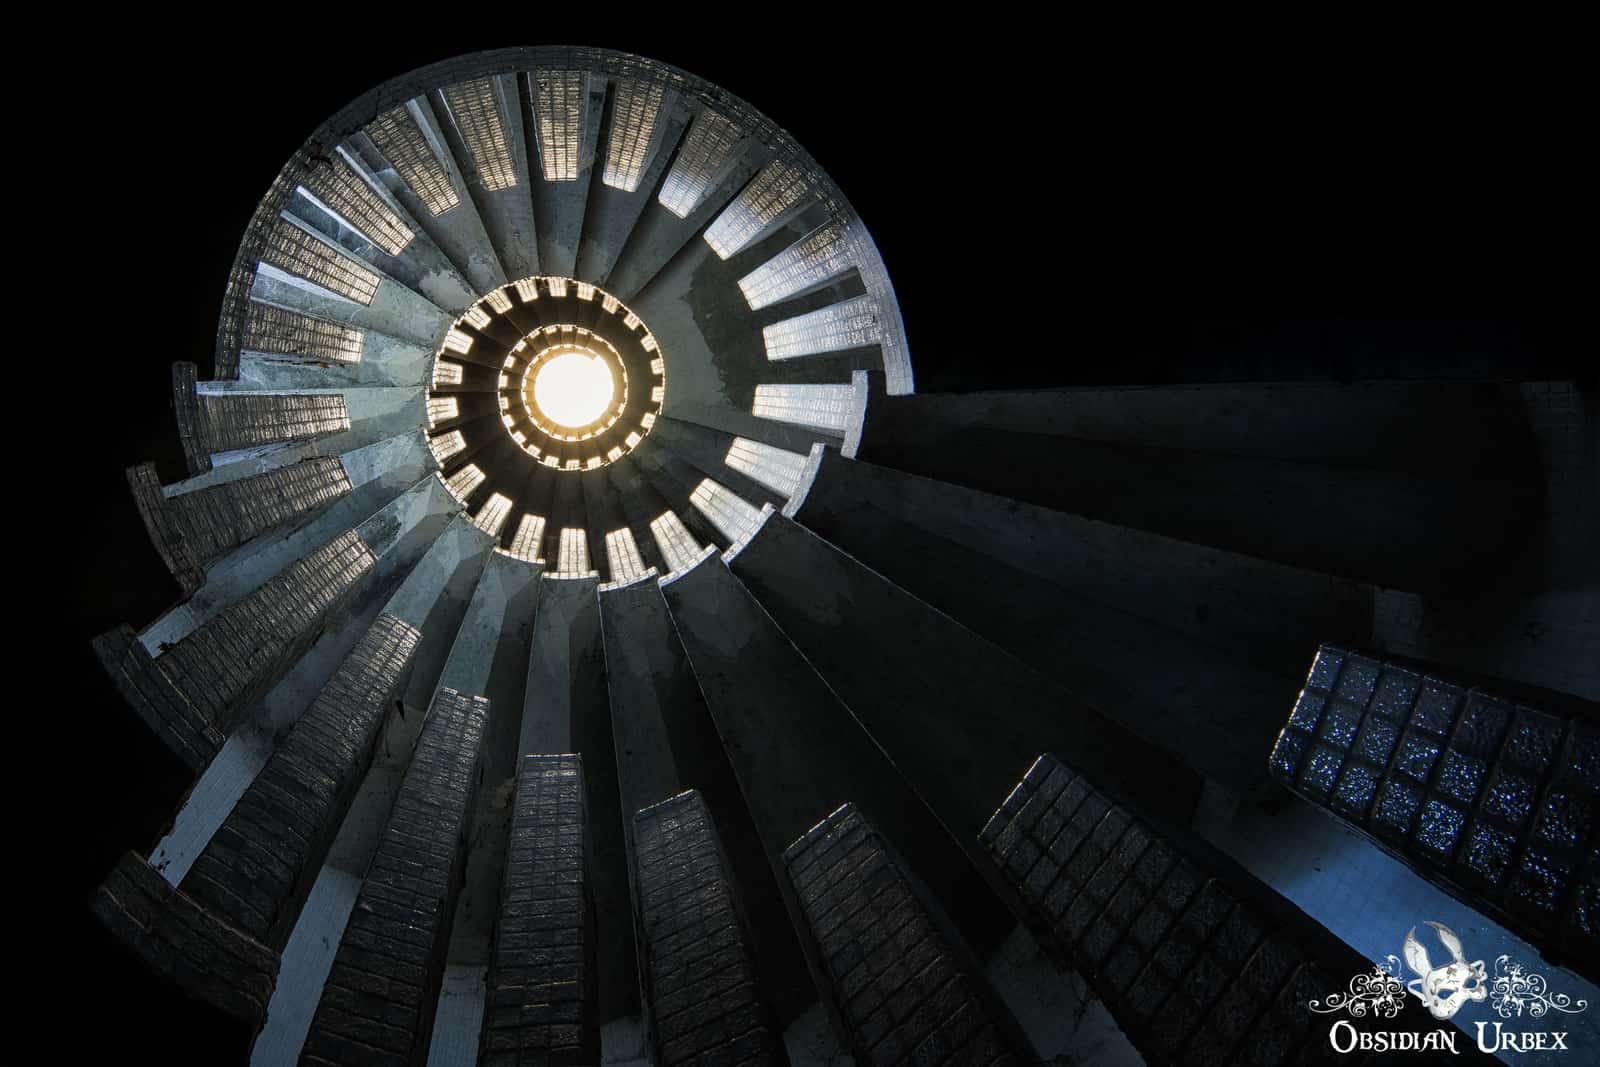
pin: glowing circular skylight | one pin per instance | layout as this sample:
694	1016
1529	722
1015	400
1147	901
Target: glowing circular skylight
567	370
573	389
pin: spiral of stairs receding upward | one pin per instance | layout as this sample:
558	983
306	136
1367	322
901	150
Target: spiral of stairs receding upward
735	738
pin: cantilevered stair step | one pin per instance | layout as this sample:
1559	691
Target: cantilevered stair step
902	993
705	1003
540	1002
1197	961
380	998
1494	801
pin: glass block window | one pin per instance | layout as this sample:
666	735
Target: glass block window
458	341
442	409
610	303
727	510
499	301
818	256
585	291
634	110
774	191
248	420
558	286
851	324
492	516
446	373
560	105
572	557
293	250
705	151
400	140
623	555
658	393
262	502
658	366
477	317
462	483
826	407
648	419
446	445
526	542
338	187
631	321
290	333
677	544
527	290
776	468
474	108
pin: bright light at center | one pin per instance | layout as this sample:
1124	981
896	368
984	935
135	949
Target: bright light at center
573	389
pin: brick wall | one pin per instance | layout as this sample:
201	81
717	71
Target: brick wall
700	984
381	995
237	656
540	984
191	529
170	540
176	720
1196	961
175	936
893	978
259	866
248	420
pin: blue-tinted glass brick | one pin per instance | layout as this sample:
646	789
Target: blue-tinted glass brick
1397	803
1397	690
1460	777
1325	668
1321	769
1376	740
1307	712
1438	827
1287	753
1586	910
1357	681
1566	818
1538	882
1353	794
1339	724
1482	725
1510	797
1533	741
1417	755
1583	757
1488	852
1436	706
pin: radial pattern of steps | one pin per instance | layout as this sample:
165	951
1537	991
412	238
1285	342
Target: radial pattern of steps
569	572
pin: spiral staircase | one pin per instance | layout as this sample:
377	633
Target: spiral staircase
776	665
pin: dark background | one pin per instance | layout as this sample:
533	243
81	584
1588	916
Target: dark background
1055	205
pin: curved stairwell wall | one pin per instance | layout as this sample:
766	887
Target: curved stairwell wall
701	751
